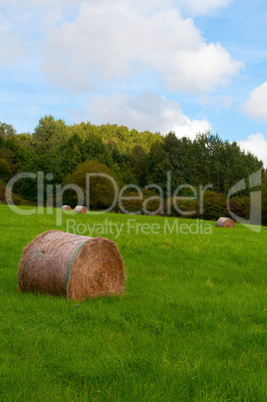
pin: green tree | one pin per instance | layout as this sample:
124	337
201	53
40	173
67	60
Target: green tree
101	189
48	129
158	165
5	171
70	154
138	160
6	131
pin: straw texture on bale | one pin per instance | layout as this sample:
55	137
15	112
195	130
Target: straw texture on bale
66	207
80	209
75	266
224	222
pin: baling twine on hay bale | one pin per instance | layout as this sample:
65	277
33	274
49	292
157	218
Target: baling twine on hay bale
66	207
80	209
75	266
225	222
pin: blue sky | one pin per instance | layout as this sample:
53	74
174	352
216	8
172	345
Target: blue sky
161	65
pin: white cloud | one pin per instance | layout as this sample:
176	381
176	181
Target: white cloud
113	41
124	45
256	105
257	145
89	44
144	112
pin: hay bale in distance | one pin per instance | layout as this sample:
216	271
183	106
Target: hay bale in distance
80	209
75	266
66	207
225	222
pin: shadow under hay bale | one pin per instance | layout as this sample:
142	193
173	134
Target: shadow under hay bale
66	207
80	209
225	222
75	266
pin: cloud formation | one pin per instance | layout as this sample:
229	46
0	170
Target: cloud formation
257	145
256	105
80	49
144	112
112	42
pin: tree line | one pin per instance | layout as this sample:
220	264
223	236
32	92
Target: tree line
140	158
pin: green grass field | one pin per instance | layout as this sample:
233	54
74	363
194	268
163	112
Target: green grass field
189	327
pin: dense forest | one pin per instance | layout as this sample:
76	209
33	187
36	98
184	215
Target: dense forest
140	158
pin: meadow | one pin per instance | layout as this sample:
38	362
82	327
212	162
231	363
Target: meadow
191	325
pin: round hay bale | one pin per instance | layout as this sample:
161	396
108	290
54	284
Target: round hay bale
75	266
224	222
66	207
80	209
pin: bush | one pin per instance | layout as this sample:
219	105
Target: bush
214	205
131	205
101	188
187	208
151	204
17	199
240	206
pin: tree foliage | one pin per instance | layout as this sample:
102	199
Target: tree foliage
135	157
101	188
